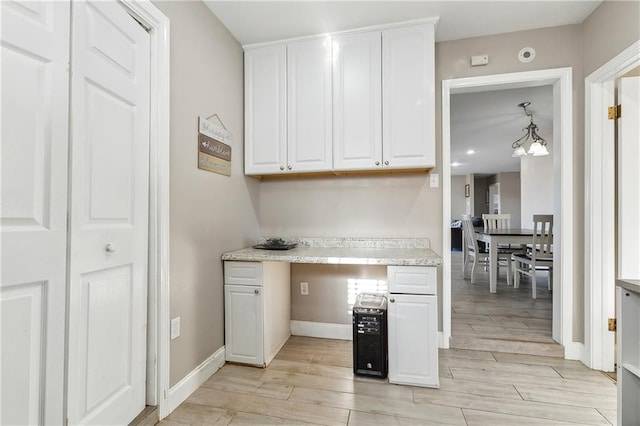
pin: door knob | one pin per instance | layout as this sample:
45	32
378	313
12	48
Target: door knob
110	248
386	163
289	167
256	291
377	163
281	167
392	300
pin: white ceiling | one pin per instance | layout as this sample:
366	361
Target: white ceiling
262	21
489	122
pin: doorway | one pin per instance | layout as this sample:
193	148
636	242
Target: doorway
560	80
600	219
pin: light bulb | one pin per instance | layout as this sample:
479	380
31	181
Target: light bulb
542	151
519	152
535	147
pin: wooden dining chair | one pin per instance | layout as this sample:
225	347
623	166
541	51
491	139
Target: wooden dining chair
540	255
502	221
496	221
471	252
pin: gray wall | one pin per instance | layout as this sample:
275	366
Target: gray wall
328	290
480	198
458	200
210	213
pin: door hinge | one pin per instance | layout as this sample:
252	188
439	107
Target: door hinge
615	112
612	324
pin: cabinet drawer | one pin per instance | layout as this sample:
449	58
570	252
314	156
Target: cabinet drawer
243	273
412	279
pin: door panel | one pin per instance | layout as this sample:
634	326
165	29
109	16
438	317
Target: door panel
109	215
309	128
33	206
244	321
628	178
357	101
413	340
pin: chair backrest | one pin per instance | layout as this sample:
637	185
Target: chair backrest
496	221
542	234
469	233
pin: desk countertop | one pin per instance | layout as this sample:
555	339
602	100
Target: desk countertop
402	252
631	285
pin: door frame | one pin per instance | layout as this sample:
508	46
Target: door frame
158	27
600	218
561	81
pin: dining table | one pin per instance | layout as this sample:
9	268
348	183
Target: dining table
495	237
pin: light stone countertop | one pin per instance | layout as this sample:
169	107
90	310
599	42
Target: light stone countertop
349	251
631	285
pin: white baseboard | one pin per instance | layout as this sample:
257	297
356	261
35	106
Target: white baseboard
192	381
324	330
442	342
575	350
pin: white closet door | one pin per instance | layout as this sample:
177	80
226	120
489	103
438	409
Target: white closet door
35	54
109	215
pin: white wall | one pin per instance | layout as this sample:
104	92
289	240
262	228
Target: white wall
536	186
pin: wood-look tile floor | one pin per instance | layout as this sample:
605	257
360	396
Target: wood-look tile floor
311	380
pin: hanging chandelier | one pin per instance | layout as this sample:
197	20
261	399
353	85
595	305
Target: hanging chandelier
538	147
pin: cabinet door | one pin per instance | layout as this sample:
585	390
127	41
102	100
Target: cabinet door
408	97
309	106
357	101
244	340
265	110
413	341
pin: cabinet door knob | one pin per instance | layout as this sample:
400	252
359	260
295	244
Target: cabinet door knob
392	300
377	163
289	167
256	291
110	248
281	167
386	163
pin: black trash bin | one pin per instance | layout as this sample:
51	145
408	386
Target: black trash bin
370	335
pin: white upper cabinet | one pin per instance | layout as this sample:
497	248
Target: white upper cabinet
408	92
265	85
309	106
362	100
357	101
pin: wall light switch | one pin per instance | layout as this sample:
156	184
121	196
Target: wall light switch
175	328
434	180
304	288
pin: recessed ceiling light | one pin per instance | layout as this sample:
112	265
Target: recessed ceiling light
455	164
471	152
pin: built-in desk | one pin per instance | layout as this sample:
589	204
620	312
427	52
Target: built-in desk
257	299
345	251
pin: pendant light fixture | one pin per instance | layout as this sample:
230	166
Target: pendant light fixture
538	145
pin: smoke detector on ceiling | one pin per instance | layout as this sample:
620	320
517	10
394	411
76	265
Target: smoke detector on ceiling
526	54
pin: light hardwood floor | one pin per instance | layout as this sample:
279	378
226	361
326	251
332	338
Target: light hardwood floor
311	380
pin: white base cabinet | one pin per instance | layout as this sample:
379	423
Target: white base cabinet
628	357
413	340
413	326
257	311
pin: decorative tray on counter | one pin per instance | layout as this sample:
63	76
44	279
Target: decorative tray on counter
275	244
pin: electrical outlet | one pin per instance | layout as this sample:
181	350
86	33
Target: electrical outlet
479	60
434	180
175	328
304	288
